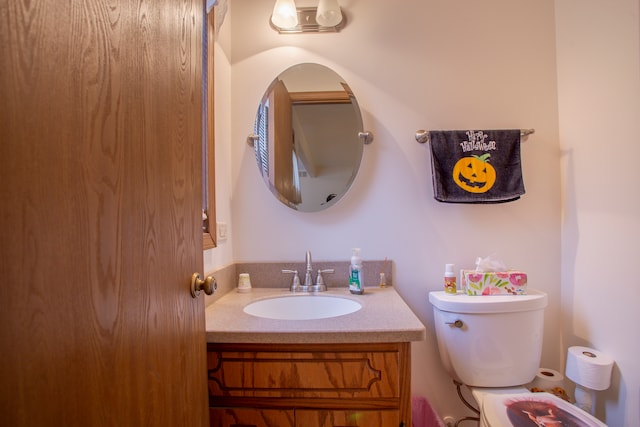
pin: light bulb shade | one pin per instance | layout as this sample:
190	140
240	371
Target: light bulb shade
329	14
284	14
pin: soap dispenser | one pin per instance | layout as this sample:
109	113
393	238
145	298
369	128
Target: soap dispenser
355	273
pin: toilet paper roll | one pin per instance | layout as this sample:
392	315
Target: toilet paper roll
589	368
548	379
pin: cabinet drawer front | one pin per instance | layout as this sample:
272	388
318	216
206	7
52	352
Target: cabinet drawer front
304	374
245	417
306	418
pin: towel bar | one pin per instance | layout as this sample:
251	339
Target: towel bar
422	135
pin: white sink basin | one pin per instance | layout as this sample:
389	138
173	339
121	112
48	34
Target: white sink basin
302	307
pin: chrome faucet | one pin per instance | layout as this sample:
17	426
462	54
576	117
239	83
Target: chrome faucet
319	286
308	281
308	285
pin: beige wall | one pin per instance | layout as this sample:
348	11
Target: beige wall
436	65
599	109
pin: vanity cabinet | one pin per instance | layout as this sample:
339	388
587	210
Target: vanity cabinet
309	385
245	417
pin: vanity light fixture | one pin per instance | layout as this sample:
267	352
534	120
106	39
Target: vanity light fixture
284	14
288	19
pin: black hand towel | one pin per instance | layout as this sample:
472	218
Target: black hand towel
476	166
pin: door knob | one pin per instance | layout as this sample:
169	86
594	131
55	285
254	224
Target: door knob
208	285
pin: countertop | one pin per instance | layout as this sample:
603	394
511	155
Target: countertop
384	317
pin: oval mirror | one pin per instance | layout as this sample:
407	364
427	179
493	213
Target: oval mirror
306	137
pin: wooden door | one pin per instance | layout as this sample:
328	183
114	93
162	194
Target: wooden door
281	133
100	223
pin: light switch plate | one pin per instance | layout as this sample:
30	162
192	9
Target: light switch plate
221	228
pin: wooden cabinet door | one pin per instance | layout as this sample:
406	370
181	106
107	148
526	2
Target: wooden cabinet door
323	371
355	418
100	213
245	417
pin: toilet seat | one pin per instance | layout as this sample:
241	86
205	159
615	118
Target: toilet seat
520	409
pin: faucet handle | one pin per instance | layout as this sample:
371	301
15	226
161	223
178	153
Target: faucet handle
320	279
295	284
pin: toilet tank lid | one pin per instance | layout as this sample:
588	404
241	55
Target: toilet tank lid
461	303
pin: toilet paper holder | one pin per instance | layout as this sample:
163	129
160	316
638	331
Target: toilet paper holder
590	370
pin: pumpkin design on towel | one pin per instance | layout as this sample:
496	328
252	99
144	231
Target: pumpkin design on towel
474	174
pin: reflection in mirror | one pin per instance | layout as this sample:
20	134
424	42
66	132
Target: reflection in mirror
306	138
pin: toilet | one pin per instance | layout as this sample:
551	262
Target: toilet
493	345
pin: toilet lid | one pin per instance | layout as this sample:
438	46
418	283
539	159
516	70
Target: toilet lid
534	409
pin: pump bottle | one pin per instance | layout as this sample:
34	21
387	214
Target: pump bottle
355	273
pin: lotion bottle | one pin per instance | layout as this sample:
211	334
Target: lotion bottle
449	279
355	273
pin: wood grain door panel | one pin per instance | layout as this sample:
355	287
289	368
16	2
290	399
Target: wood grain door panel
342	374
327	385
100	213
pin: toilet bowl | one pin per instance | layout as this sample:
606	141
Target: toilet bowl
493	345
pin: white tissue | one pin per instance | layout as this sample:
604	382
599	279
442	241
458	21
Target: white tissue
589	368
490	264
548	379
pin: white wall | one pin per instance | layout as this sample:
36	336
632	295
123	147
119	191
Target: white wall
598	45
223	254
453	64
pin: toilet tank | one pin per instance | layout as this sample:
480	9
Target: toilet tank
490	341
